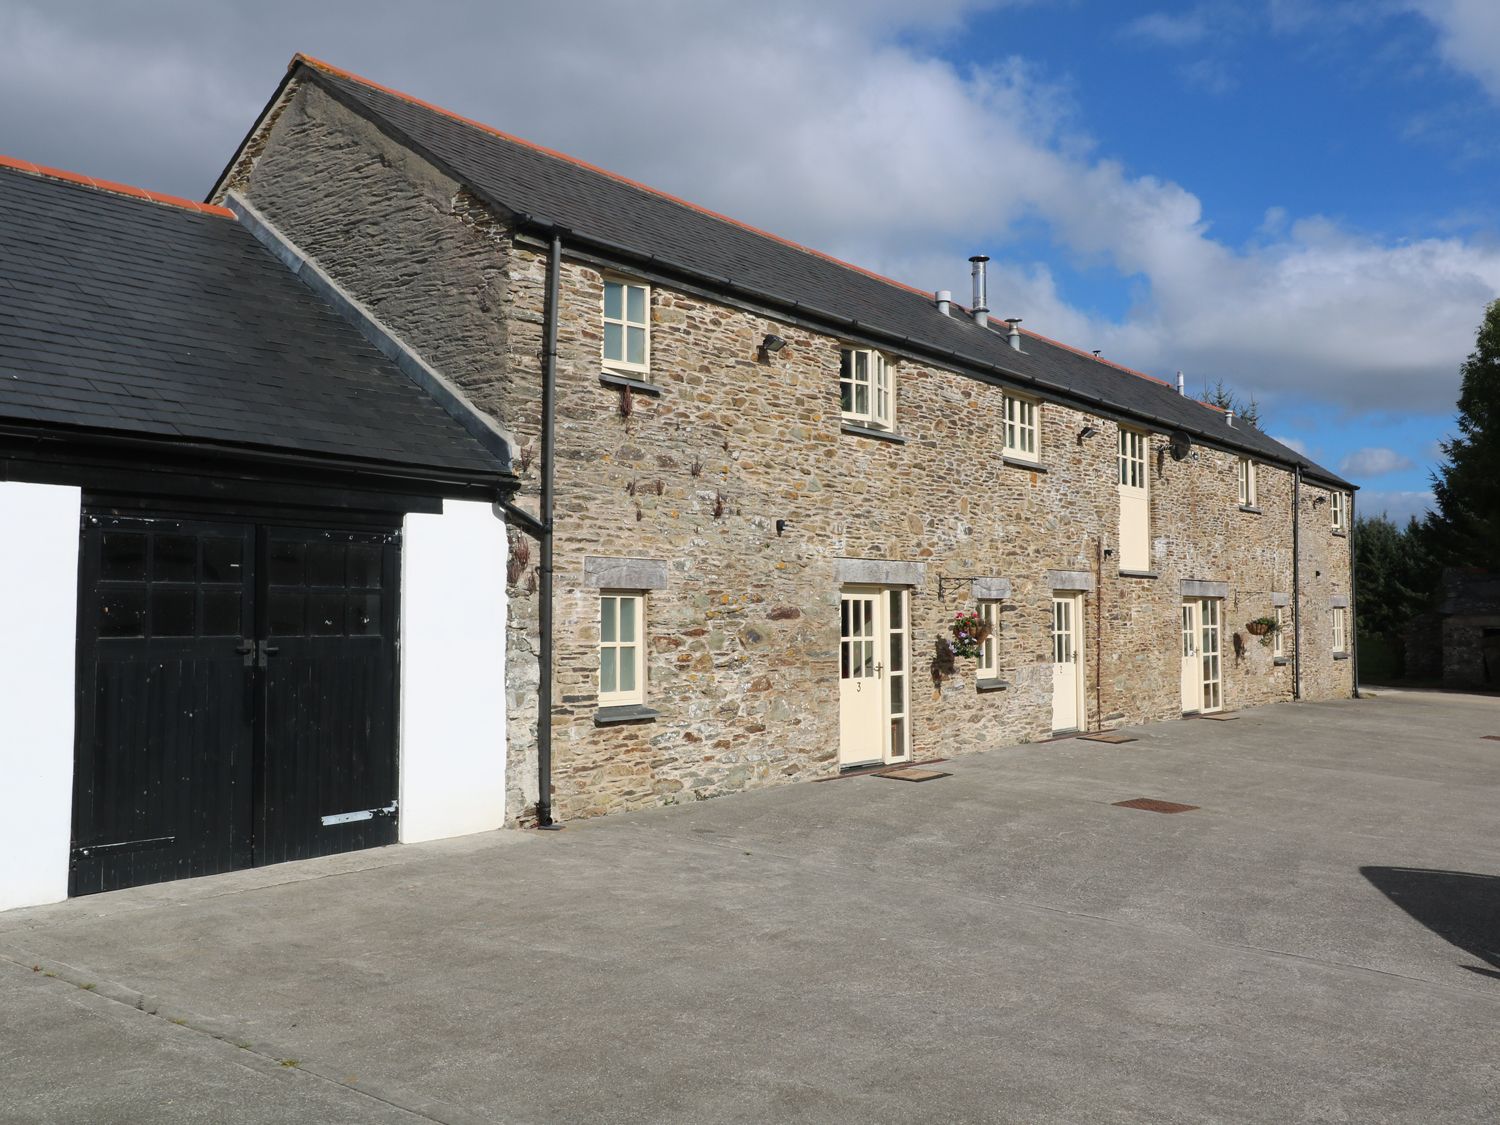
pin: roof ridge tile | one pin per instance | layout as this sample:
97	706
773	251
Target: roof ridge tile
130	191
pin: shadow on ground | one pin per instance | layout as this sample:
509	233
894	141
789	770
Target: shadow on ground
1460	907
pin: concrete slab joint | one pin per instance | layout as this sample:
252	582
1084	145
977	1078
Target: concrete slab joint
990	589
1070	580
624	574
879	572
1199	588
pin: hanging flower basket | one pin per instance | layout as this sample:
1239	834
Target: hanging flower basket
1265	628
969	634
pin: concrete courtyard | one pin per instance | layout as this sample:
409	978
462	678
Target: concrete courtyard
1319	941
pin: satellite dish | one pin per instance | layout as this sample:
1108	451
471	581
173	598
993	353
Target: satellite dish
1181	445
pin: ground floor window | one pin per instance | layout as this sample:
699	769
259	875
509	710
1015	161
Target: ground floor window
1278	638
1340	629
989	651
622	658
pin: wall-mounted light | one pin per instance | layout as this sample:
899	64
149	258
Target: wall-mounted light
781	526
1319	500
1085	433
770	346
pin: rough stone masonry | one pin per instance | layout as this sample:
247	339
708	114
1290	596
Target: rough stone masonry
743	633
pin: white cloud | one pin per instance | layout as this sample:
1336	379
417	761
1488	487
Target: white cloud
1397	506
1295	443
1468	37
838	124
1170	29
1374	461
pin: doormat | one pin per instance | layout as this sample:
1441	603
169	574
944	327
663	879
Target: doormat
1109	736
1490	737
1151	804
912	773
1221	716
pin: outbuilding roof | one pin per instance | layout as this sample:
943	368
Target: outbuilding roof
547	189
128	313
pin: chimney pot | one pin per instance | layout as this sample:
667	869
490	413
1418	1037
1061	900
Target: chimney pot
1229	416
1015	333
945	302
1181	385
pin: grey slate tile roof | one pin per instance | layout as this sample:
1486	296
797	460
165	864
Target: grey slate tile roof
150	320
553	189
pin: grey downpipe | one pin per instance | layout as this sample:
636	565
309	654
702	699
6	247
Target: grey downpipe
1297	582
544	610
1353	602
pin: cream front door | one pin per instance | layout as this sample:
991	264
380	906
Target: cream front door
1192	670
874	667
1067	662
1213	691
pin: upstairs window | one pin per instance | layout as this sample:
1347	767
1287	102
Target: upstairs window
867	389
1338	503
1021	428
627	325
1132	459
622	656
1247	483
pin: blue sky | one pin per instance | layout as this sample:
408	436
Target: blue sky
1294	196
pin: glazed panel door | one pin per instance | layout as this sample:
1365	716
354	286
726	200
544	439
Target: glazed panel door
1067	677
1192	669
1213	691
862	683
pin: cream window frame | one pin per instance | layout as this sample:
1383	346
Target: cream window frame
1249	485
626	323
1133	458
1338	505
620	646
1022	428
1340	630
1278	638
988	667
868	371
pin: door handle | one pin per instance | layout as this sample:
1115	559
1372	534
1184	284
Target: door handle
247	650
267	649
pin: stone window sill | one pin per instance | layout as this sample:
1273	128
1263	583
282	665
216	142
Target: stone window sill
1251	508
866	431
1341	534
1022	463
1151	574
987	685
615	379
630	713
1341	656
1279	661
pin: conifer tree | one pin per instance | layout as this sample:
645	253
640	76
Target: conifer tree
1465	528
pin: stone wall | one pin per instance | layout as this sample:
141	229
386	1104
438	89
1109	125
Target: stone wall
1325	579
743	639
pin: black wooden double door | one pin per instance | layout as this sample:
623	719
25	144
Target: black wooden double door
237	695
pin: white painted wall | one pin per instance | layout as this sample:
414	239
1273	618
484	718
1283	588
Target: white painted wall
453	608
38	618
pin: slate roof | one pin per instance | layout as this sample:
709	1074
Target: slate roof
549	188
143	317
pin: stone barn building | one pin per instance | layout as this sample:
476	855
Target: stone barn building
759	483
424	481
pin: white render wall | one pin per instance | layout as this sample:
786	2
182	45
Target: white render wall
453	607
38	618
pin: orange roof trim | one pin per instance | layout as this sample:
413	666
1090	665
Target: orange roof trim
319	64
113	188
